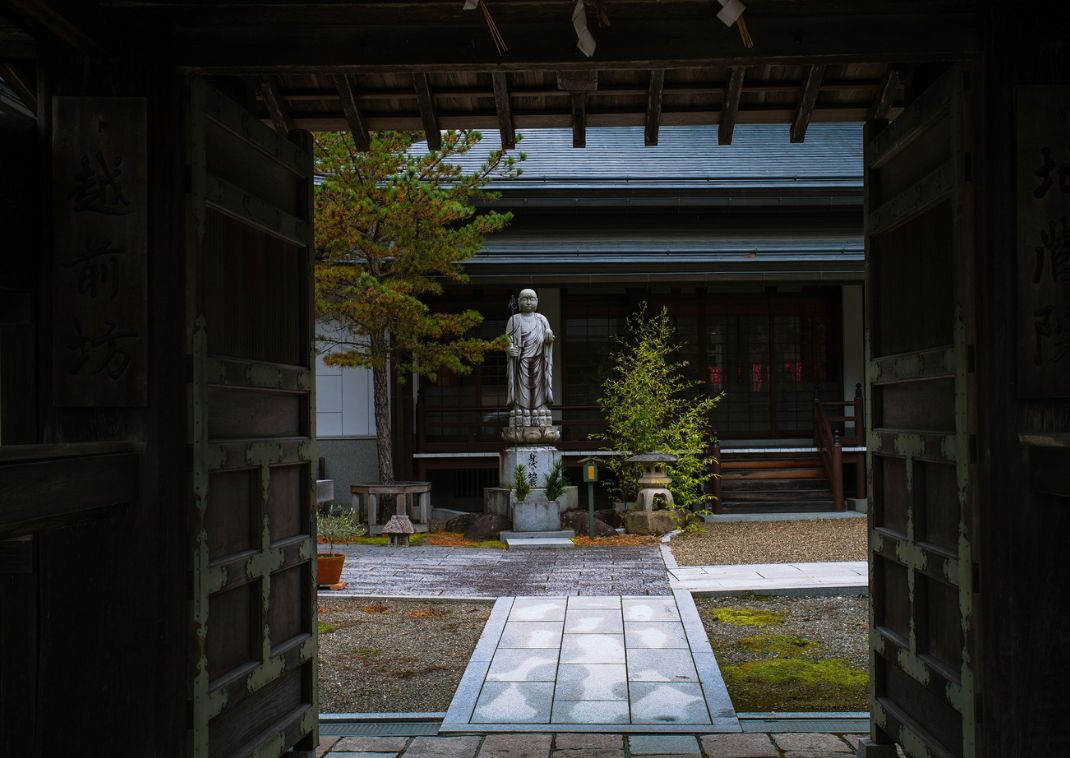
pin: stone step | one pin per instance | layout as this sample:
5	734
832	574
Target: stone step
564	534
538	543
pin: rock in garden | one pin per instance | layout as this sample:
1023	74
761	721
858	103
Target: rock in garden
461	523
650	522
611	516
487	526
577	521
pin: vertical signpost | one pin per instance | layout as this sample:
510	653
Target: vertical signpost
590	475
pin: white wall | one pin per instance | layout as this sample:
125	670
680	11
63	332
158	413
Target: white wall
344	401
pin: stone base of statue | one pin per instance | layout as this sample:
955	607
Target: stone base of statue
534	514
532	452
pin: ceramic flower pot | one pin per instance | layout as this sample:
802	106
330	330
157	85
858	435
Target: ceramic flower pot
329	568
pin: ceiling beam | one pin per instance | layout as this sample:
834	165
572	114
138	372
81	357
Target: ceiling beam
414	43
505	111
81	30
732	92
885	98
806	104
653	107
18	79
422	84
269	91
358	125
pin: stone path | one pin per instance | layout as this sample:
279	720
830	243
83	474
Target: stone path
593	664
612	745
484	572
779	578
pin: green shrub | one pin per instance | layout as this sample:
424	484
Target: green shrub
337	526
520	483
650	405
556	481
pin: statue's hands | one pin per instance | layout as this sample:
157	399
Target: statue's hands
549	337
514	350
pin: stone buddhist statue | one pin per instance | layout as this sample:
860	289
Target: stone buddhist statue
530	371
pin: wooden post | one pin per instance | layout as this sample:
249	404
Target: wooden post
860	415
837	472
718	506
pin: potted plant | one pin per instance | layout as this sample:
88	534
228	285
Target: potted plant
334	526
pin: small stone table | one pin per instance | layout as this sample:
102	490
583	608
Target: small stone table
411	499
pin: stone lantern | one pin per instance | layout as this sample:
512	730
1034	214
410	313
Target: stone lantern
654	480
397	530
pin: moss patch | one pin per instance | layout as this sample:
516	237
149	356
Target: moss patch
324	628
796	684
438	539
776	645
748	616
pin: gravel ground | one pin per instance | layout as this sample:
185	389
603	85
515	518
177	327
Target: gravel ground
394	655
772	542
837	627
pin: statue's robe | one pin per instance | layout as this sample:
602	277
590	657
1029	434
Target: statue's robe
530	374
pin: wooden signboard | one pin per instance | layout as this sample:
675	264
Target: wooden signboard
1043	121
100	202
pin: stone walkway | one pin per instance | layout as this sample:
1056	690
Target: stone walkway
592	664
779	578
485	572
613	745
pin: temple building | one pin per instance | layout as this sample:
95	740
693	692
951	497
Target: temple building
755	248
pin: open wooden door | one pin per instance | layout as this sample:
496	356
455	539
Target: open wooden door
249	341
920	326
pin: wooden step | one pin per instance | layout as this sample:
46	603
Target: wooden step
776	496
808	507
774	473
752	484
763	463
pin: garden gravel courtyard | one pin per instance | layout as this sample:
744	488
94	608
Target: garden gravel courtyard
744	542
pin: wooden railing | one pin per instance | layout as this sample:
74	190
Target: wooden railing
835	429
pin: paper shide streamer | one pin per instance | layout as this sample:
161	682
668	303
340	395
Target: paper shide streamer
732	13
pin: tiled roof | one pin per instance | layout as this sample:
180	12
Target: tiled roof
761	155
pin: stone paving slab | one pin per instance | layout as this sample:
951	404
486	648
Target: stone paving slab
657	674
614	744
448	572
771	578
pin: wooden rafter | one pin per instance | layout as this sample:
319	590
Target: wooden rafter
505	111
806	104
882	103
579	119
358	125
269	90
578	83
422	85
732	93
19	81
653	106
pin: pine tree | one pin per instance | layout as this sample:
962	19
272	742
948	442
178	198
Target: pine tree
392	225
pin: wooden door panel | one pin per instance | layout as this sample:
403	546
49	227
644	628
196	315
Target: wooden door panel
919	210
250	324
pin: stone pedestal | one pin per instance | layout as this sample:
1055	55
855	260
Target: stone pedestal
537	461
536	513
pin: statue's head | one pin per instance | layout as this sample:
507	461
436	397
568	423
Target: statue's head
528	301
